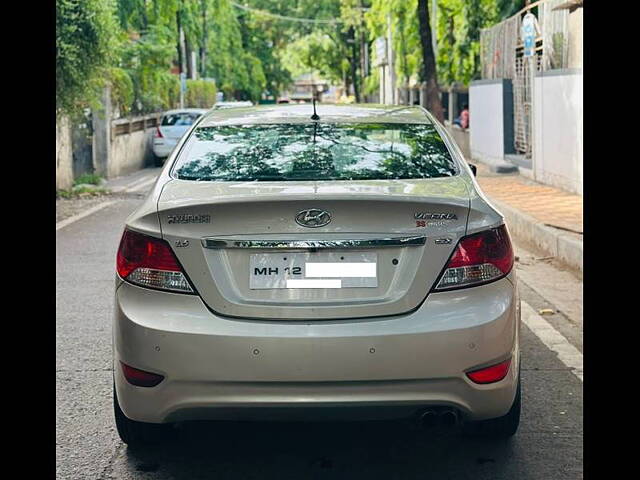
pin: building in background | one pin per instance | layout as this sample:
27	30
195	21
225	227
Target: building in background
528	113
304	88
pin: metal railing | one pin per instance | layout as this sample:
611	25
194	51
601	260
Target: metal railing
501	44
502	56
125	126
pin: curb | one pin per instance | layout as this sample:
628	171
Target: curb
553	242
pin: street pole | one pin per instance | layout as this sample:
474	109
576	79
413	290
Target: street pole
529	30
391	62
383	99
532	118
183	66
452	105
364	51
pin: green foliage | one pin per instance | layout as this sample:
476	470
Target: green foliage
122	89
86	41
88	178
459	25
316	52
258	39
237	71
268	39
458	34
372	82
211	29
257	79
147	61
406	37
507	8
200	94
331	50
82	191
134	45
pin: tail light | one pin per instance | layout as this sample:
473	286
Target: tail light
491	374
150	262
479	258
158	133
140	378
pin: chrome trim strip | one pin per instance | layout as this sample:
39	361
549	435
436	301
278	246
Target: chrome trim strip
315	244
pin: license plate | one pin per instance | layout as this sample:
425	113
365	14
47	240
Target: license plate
321	270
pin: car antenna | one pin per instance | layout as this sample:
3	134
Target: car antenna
315	115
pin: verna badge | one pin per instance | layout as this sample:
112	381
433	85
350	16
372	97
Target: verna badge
422	219
313	218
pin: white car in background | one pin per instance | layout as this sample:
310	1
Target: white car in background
173	126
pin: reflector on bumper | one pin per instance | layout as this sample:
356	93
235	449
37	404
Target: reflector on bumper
140	378
491	374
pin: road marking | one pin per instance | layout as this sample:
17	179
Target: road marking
123	188
81	215
142	185
144	180
554	340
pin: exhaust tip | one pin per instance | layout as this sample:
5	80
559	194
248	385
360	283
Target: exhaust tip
448	418
428	419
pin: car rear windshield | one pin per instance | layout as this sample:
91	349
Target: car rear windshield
314	151
179	119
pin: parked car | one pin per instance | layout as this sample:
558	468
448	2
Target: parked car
173	124
345	267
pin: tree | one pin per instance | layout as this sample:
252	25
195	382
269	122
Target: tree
399	16
253	50
507	8
331	46
258	41
429	74
353	19
459	25
211	28
148	61
317	52
86	42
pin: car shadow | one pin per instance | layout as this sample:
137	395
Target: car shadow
265	450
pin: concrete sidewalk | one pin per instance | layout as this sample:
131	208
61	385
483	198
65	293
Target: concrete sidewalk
547	218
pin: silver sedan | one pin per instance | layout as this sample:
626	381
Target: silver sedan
345	265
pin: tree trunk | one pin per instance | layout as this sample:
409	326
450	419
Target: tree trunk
143	13
347	84
188	50
364	70
404	66
354	64
429	62
179	42
203	48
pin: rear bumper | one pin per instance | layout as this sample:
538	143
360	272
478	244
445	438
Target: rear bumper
162	147
217	367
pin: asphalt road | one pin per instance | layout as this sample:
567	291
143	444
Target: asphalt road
547	446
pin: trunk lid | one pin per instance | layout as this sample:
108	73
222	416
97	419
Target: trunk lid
241	242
